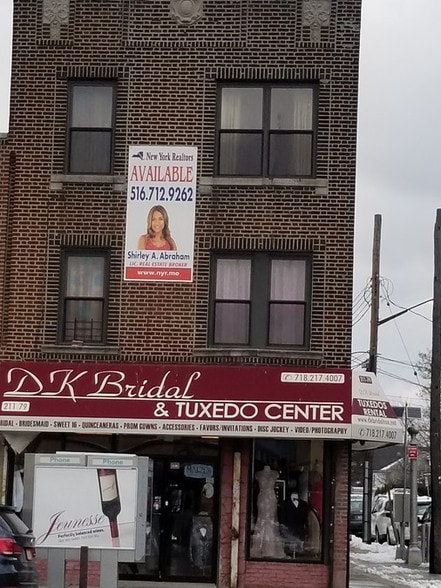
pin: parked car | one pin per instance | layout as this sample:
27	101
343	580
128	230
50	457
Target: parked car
381	519
356	515
17	551
424	522
426	517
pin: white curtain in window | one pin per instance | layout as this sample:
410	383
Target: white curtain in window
233	279
288	277
291	109
241	108
92	106
85	276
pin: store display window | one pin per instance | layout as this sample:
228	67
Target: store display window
286	500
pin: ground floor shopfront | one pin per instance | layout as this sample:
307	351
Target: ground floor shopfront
250	464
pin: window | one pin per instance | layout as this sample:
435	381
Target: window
91	128
286	500
266	130
260	300
84	296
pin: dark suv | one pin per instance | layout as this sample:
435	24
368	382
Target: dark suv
17	551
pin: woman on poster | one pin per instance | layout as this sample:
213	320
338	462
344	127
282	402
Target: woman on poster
158	235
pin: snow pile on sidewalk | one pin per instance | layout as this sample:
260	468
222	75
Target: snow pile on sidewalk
379	560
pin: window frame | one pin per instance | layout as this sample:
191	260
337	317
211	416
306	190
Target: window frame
66	253
260	299
266	132
70	129
275	460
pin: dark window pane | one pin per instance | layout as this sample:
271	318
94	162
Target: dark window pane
240	154
290	155
286	326
84	320
91	128
283	116
84	301
231	325
90	152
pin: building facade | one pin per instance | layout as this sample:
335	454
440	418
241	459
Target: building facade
177	209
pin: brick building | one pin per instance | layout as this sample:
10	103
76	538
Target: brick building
224	355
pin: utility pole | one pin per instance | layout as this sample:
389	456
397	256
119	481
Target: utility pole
372	367
375	295
435	430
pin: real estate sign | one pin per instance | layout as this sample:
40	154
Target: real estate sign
161	198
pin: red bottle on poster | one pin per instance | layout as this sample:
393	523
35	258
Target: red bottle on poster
110	501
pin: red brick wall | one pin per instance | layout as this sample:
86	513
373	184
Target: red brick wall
167	77
341	505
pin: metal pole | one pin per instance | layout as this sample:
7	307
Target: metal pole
400	552
84	563
367	536
414	555
435	417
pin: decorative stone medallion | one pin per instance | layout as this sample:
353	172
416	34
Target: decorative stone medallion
55	14
186	12
316	14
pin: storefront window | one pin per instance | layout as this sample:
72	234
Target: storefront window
287	500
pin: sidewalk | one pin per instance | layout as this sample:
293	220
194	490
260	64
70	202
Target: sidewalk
364	577
375	566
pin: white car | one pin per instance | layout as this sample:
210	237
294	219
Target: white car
382	514
381	517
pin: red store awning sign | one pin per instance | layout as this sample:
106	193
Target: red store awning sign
188	399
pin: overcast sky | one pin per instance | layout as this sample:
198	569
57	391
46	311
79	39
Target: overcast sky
399	166
399	163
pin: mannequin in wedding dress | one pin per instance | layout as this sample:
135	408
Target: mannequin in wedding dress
266	540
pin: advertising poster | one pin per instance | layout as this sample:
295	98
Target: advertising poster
84	506
161	198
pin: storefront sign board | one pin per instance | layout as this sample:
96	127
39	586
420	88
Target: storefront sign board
185	399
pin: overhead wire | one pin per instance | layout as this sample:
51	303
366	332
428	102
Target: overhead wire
412	311
361	306
411	362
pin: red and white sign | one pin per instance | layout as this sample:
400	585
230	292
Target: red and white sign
175	399
161	198
373	418
412	452
192	399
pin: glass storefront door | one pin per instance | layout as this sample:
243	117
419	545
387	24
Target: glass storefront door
181	539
